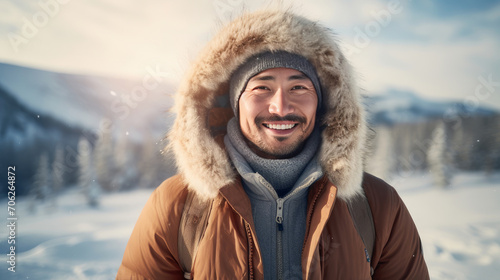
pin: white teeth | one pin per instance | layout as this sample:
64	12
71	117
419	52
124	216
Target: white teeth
280	126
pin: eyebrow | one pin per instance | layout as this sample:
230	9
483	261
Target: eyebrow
272	78
298	77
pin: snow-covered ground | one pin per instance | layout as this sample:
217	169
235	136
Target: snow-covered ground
73	241
459	226
460	229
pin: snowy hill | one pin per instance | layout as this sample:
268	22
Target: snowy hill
398	106
459	227
84	101
21	125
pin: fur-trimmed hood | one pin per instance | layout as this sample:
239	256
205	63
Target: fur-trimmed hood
203	110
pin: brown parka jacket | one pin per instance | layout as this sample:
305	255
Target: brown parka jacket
332	247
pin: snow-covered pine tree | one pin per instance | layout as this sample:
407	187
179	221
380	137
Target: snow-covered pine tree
42	178
126	173
382	161
438	157
492	160
86	178
155	165
58	170
148	164
41	186
104	160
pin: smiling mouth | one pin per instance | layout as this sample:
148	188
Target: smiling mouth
280	126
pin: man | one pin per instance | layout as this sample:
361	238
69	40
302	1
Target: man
271	131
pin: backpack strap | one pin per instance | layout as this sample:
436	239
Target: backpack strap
361	215
191	228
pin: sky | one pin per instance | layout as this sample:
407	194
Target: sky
436	49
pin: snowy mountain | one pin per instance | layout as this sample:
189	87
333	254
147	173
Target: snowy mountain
85	101
398	106
20	125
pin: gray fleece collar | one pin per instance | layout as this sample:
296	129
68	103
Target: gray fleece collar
282	174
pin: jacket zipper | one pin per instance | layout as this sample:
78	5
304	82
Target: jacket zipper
279	223
250	250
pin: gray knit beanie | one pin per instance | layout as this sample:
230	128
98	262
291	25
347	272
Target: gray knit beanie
267	60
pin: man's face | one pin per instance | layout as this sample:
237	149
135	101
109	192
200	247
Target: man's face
277	112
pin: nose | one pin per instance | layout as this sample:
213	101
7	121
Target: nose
280	103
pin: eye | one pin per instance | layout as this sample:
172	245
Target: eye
300	89
260	89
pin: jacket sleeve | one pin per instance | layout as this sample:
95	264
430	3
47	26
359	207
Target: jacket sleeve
151	252
398	249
